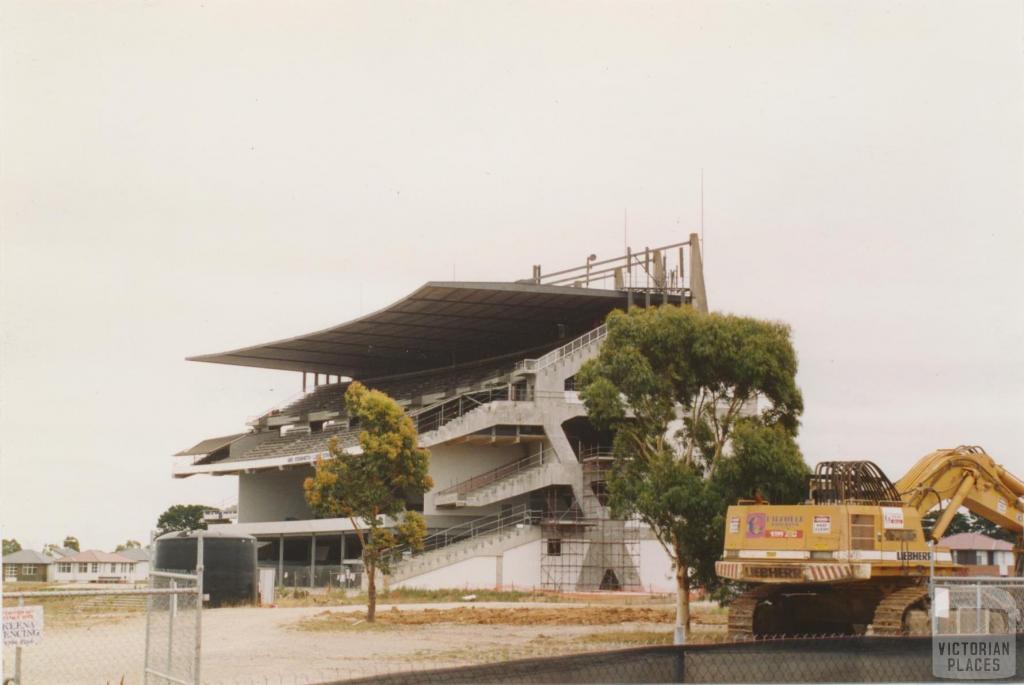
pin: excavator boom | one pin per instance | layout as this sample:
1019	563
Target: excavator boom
966	476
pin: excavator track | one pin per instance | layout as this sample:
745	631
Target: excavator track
741	611
890	611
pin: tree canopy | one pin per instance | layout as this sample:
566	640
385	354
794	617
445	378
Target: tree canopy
71	542
389	473
182	517
129	544
10	546
705	410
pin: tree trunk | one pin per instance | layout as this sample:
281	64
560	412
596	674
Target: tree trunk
682	603
371	592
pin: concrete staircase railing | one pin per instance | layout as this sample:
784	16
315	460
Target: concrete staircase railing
463	541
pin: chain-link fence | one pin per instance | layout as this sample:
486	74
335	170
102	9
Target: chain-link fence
152	636
810	660
173	628
977	606
110	635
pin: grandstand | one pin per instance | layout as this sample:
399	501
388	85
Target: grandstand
486	371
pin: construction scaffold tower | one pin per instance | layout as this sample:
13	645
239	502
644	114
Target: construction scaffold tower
584	549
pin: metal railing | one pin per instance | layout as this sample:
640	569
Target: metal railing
499	474
534	365
436	415
485	525
597	452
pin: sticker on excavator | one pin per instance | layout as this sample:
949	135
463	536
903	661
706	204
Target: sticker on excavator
822	525
892	517
734	524
761	525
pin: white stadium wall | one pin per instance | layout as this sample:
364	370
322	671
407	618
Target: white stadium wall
517	568
656	572
520	568
273	495
475	573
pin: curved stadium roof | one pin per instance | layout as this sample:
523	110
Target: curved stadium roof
440	324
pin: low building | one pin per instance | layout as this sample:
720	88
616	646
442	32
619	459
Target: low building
27	566
986	556
94	566
141	556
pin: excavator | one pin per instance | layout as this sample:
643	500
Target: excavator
854	558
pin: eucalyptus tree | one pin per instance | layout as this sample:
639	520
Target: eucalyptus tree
705	409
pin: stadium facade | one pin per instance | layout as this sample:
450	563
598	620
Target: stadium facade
486	371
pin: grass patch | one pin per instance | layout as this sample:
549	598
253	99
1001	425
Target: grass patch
331	622
472	615
85	610
629	637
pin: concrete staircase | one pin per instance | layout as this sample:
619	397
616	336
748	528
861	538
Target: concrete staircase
500	412
494	535
542	473
565	361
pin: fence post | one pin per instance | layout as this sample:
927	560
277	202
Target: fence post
977	612
17	652
149	612
172	607
199	611
679	676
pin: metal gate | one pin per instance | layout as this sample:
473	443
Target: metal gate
174	627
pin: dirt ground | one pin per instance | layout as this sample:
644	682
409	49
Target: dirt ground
311	644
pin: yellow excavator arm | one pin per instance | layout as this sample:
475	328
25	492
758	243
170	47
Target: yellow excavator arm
965	476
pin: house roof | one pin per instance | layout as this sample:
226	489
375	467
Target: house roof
135	554
27	556
976	541
91	555
439	325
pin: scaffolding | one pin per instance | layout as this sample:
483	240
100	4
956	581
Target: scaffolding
583	548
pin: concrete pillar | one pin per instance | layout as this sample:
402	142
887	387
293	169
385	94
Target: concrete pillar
312	558
700	296
280	560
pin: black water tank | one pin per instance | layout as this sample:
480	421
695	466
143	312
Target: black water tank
229	563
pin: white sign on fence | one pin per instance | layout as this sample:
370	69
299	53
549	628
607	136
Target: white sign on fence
23	626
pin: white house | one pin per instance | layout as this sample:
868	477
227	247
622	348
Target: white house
140	556
27	566
94	566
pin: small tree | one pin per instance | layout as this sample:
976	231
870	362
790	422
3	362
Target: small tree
11	546
678	387
129	544
182	517
71	542
390	471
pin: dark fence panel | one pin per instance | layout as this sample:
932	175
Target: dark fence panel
829	660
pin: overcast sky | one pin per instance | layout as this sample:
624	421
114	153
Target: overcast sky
181	178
